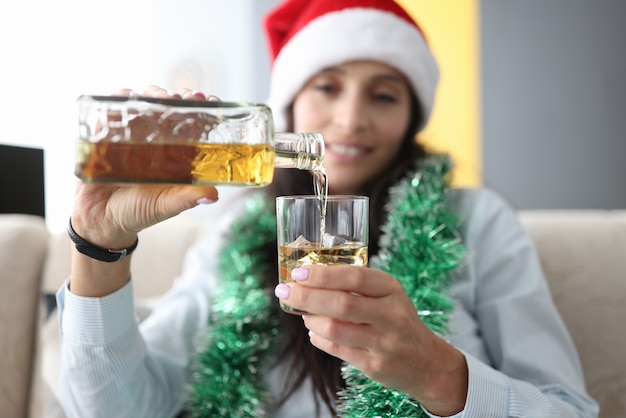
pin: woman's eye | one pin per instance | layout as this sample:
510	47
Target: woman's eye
326	88
385	97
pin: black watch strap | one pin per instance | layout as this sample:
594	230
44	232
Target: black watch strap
98	253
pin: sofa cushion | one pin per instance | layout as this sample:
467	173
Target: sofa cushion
166	242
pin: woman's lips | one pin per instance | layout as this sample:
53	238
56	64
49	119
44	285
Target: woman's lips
346	152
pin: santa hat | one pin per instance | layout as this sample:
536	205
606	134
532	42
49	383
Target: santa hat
306	36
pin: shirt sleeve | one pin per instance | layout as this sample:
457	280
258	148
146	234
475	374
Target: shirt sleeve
112	366
528	364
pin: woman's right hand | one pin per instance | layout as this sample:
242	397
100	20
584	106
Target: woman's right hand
111	216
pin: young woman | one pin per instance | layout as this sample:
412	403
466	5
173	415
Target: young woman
452	318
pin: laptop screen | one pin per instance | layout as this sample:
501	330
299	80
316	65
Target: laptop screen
22	180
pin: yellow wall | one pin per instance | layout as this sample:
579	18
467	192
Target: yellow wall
452	30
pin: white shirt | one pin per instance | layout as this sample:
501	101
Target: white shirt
521	359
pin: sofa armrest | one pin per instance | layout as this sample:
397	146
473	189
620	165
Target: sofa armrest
23	245
583	254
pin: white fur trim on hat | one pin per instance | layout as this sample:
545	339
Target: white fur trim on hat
348	35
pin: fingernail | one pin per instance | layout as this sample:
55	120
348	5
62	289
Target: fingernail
282	291
205	201
133	94
198	94
174	95
299	274
213	99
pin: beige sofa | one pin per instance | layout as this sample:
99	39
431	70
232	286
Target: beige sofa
583	252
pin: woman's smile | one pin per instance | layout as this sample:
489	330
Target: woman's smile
345	152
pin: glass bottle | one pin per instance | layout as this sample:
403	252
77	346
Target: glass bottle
153	140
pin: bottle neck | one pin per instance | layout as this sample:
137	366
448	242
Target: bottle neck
303	151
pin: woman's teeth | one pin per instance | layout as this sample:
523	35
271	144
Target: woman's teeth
347	150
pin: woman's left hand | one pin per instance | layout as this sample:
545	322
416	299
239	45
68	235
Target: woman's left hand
364	317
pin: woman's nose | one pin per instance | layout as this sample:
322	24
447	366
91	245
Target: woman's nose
350	112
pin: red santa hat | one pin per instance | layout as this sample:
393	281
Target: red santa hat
306	36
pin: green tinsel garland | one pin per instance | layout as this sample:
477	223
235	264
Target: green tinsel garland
242	328
420	246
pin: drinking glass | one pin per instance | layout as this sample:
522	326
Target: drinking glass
319	230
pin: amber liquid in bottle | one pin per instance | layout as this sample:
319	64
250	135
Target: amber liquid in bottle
195	163
187	163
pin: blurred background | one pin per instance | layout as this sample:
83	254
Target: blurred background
532	99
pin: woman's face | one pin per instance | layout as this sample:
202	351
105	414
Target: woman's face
362	109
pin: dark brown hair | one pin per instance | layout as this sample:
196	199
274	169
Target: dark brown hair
307	361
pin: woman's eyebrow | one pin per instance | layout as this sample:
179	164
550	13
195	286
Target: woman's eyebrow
383	76
394	78
331	70
390	77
